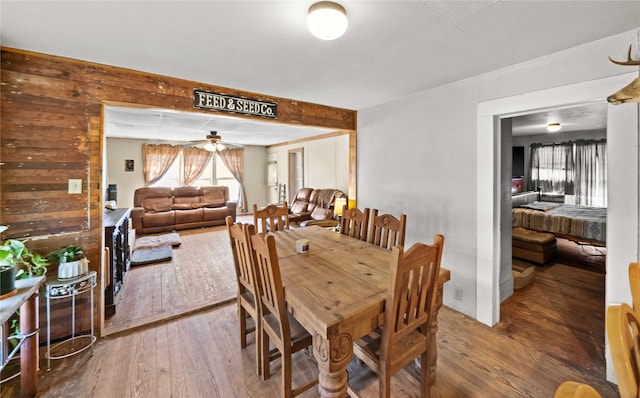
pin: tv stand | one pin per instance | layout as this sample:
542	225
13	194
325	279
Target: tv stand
116	239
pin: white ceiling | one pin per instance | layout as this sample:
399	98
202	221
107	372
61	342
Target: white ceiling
390	50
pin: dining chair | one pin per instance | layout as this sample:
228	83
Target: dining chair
572	389
407	316
623	332
248	298
634	284
278	325
272	218
387	231
355	223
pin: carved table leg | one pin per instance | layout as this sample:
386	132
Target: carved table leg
433	329
333	357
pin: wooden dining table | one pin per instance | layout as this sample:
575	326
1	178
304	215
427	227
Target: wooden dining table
337	291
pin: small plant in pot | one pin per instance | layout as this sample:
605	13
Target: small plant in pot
72	261
18	262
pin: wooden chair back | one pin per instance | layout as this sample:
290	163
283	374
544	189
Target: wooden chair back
408	316
634	284
387	231
355	223
248	297
572	389
272	293
623	332
272	218
278	325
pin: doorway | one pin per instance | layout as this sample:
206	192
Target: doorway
296	171
623	219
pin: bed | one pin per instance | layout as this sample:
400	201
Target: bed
575	222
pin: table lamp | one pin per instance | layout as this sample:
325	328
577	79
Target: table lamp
338	206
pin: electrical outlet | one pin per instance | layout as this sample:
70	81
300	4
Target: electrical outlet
75	185
458	294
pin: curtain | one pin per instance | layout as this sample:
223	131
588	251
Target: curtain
591	173
233	158
548	167
195	160
156	160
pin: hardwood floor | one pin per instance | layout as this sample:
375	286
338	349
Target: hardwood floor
200	276
551	331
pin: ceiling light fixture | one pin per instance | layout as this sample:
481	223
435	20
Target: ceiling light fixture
327	20
553	127
211	147
214	143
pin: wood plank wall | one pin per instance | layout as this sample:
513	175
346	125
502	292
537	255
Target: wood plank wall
51	131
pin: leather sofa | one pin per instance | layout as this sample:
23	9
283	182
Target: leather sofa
158	209
314	207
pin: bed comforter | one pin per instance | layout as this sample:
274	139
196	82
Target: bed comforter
580	222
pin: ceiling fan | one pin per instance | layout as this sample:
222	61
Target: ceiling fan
213	142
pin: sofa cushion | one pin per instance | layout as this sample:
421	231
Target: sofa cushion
215	213
159	219
199	205
299	207
154	205
187	192
320	213
180	206
188	200
188	216
151	192
214	197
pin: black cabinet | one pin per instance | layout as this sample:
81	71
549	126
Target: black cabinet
116	239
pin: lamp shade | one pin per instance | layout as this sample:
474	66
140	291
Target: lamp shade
327	20
338	205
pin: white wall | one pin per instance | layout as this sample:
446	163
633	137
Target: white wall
326	162
117	150
255	176
420	154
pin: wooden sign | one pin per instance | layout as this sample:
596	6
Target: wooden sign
206	100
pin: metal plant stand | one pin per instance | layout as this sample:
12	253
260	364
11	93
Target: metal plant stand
72	287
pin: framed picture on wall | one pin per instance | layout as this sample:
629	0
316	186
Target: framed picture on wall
128	165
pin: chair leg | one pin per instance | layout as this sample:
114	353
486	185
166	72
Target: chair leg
385	384
425	376
264	356
287	392
242	316
258	334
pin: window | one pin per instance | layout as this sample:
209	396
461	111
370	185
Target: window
576	169
174	176
224	177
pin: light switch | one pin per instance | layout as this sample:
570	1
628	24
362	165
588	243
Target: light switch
75	185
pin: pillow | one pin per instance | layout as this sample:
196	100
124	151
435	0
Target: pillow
199	205
155	205
180	206
542	206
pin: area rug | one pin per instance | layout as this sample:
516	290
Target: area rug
151	255
151	241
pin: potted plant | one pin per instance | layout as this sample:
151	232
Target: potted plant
71	260
18	262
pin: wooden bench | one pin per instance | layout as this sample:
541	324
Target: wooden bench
534	246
